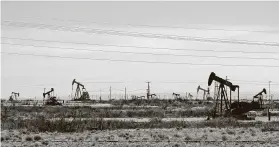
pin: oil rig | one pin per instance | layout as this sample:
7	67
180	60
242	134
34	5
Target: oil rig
205	92
80	94
51	99
176	96
224	106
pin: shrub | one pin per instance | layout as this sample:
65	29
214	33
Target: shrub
187	138
37	138
230	132
45	142
272	126
28	138
224	138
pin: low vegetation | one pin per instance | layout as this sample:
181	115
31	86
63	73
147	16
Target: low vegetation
88	112
42	124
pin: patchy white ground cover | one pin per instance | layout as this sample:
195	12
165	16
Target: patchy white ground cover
247	137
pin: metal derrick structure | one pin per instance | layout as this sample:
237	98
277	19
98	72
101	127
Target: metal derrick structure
224	106
259	98
80	94
205	92
148	94
222	98
51	99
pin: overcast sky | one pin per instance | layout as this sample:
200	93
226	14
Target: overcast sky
28	75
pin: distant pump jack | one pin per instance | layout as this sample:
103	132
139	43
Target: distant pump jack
51	99
80	94
205	92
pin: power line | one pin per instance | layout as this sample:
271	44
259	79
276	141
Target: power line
103	89
35	86
173	27
158	26
155	48
144	53
137	61
103	82
118	89
164	82
136	34
136	90
253	81
186	82
181	82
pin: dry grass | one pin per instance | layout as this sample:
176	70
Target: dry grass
42	124
88	112
230	132
270	127
224	138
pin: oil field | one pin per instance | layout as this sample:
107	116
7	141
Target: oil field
178	74
142	121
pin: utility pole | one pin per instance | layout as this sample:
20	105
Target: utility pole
100	94
44	97
148	90
125	94
110	93
269	94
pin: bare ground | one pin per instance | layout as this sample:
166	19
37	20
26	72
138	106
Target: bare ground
247	137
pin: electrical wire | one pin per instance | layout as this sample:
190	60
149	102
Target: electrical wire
136	61
154	48
104	89
137	34
117	89
136	90
157	26
143	53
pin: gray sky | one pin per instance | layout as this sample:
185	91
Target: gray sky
18	73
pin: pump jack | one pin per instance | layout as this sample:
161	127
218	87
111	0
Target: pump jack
14	96
236	109
244	107
222	96
151	95
80	95
189	96
51	99
205	92
176	95
259	103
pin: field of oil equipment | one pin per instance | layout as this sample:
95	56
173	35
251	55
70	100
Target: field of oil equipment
142	120
139	74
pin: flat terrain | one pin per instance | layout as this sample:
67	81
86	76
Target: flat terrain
247	137
133	123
